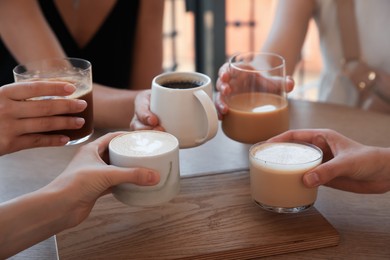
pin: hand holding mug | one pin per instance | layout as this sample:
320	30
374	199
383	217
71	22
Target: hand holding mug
183	102
143	118
151	149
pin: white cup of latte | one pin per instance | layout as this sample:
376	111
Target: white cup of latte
276	172
149	149
183	102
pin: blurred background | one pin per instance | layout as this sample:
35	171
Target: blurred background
200	35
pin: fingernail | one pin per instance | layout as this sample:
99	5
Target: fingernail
80	121
64	139
69	88
81	104
152	177
311	179
150	121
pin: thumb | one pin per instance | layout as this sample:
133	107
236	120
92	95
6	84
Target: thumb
138	176
323	173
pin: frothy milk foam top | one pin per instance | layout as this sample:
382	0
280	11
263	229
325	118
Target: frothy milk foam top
142	143
286	156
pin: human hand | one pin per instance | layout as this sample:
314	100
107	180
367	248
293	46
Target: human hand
143	118
88	177
226	80
348	165
21	120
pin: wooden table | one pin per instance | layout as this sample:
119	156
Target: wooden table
363	221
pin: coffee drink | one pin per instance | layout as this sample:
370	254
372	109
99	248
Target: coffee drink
143	143
71	70
254	117
257	103
182	84
150	149
276	172
183	103
83	93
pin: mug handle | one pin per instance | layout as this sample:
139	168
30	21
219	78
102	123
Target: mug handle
211	114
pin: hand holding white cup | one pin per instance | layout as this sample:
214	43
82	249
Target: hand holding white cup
183	102
149	149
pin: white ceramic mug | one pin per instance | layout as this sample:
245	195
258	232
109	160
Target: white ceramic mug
150	149
183	102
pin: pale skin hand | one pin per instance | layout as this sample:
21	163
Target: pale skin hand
28	36
22	119
286	38
143	118
223	89
67	200
348	165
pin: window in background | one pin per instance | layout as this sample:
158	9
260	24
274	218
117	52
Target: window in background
179	38
246	27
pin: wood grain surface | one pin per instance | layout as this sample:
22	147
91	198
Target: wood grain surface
213	217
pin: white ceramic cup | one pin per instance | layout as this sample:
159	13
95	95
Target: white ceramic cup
183	102
150	149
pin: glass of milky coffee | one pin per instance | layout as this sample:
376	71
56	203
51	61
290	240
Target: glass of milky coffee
149	149
276	172
73	70
257	102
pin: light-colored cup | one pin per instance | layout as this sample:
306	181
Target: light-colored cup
72	70
150	149
257	102
183	102
276	173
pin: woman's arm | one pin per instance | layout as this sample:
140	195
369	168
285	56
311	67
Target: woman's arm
67	200
289	30
26	33
148	53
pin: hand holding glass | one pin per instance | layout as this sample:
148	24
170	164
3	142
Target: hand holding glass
72	70
258	107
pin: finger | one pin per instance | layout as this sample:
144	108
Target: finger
326	172
143	113
136	125
47	124
27	90
44	108
224	69
290	83
138	176
37	140
101	144
221	106
304	135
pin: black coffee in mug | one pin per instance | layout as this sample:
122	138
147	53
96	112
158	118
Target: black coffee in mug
182	84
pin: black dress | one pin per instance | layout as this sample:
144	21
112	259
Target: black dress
110	50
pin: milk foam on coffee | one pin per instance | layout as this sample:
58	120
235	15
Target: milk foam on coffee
287	156
143	143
